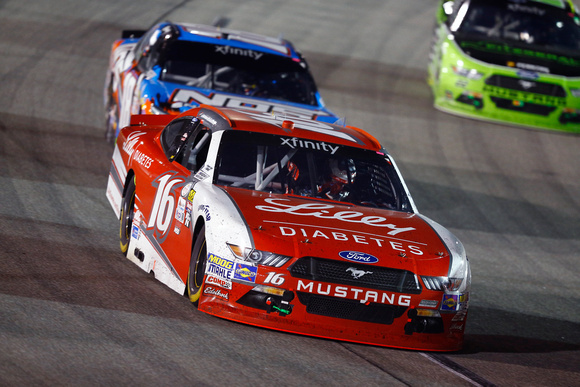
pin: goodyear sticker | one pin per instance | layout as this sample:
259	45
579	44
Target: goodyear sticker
449	302
245	272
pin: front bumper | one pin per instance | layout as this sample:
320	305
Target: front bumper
491	100
402	326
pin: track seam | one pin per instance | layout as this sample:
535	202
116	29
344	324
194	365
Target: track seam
458	370
374	364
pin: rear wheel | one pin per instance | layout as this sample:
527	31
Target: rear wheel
127	213
197	265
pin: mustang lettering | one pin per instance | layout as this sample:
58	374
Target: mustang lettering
361	295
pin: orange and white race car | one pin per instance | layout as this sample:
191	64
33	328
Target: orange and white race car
289	224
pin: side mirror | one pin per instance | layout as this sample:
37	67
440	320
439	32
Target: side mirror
445	11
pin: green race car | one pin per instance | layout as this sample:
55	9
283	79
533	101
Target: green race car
509	61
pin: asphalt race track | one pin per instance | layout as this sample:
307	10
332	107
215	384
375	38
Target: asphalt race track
74	312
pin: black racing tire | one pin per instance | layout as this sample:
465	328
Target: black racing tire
126	217
197	264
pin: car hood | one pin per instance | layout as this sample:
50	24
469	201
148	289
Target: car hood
300	227
522	56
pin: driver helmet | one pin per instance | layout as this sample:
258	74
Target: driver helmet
342	171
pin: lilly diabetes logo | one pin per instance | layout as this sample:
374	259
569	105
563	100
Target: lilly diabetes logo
355	256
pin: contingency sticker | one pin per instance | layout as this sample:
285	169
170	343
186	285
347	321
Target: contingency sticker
220	267
245	272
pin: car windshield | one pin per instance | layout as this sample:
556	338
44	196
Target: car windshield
238	71
530	23
288	165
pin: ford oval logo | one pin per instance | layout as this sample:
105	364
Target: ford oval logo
355	256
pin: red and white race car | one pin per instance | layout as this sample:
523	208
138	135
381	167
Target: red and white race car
289	224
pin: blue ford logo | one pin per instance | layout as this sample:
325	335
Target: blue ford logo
355	256
528	74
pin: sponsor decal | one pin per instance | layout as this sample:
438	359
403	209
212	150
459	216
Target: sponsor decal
340	236
530	71
322	211
304	123
264	109
207	118
212	280
460	315
191	195
142	159
355	256
187	216
462	83
456	327
449	302
364	296
357	273
180	211
131	142
220	267
135	232
186	190
526	9
229	50
208	290
429	303
205	209
245	272
309	144
201	175
502	48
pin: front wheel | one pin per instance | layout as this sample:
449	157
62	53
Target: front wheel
197	265
127	213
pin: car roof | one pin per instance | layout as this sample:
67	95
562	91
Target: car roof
234	38
238	119
219	119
